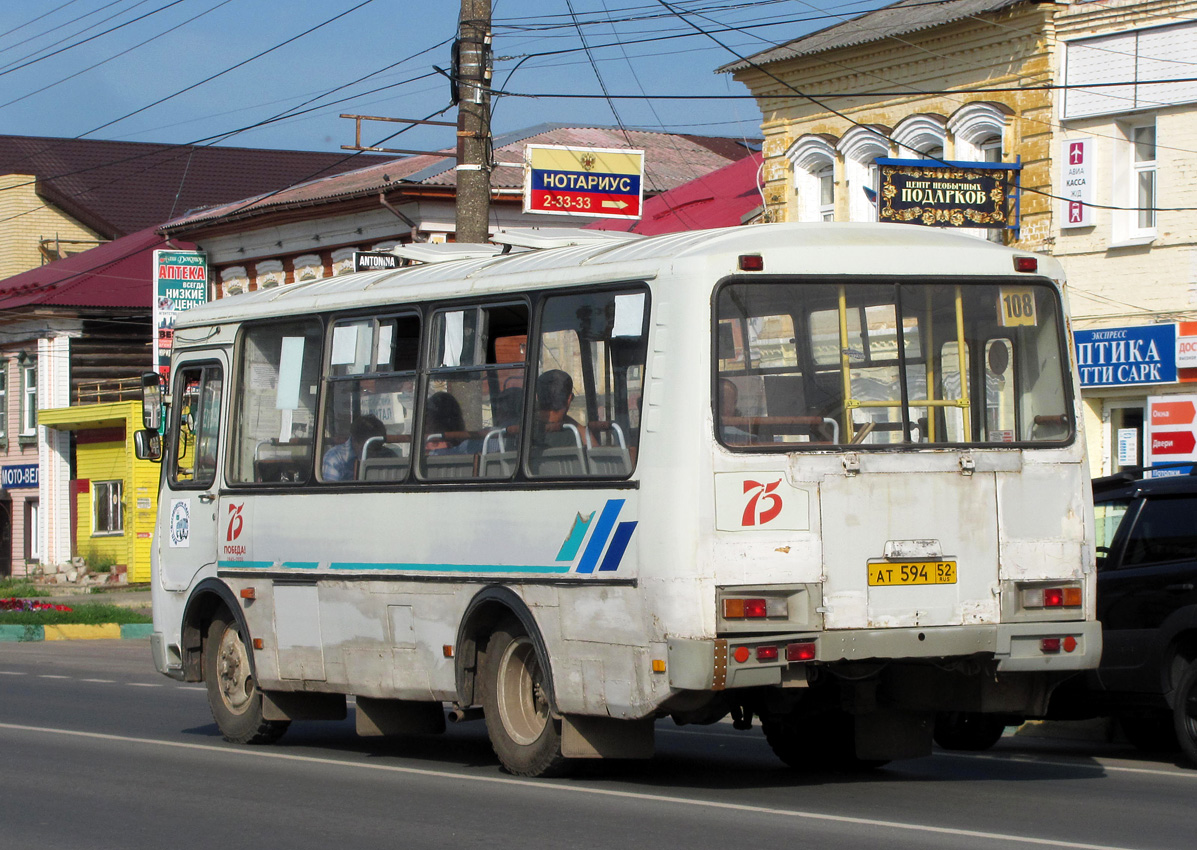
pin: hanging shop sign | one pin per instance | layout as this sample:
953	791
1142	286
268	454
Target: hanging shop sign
594	182
948	194
21	475
1171	432
180	283
1076	181
1123	357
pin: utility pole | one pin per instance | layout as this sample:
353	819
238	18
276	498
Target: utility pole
472	84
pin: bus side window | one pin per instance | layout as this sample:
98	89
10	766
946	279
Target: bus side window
474	403
196	426
370	394
274	412
590	385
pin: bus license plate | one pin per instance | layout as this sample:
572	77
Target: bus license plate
891	574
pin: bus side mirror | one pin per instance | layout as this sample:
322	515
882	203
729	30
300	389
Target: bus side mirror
147	445
151	401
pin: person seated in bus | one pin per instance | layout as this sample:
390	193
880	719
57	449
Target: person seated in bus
444	425
554	395
340	461
508	408
729	395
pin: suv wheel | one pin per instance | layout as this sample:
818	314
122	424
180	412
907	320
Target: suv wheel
1184	712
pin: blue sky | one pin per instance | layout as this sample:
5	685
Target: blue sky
180	43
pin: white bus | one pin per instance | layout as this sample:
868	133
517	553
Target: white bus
827	476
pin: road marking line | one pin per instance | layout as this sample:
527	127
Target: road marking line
11	673
192	688
1097	765
574	789
49	676
143	684
100	681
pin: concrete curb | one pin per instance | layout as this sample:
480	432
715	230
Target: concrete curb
102	631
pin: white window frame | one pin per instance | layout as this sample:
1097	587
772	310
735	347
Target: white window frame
28	400
114	494
1128	220
33	531
810	158
861	147
921	137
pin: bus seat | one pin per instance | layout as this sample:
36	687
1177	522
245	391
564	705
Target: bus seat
445	467
609	460
563	461
383	469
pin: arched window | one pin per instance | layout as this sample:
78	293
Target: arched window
920	137
813	160
860	147
979	132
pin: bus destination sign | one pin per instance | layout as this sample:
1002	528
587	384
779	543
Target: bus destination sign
593	182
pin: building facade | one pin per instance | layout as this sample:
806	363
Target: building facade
1106	174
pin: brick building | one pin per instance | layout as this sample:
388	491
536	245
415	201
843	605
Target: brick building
989	81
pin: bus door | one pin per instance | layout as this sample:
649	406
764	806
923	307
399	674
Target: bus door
189	524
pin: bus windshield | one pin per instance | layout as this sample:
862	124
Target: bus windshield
863	363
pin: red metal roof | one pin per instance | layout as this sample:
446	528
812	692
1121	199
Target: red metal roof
118	188
670	160
722	198
117	274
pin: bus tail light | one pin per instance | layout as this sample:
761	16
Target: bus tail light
753	608
1068	596
752	263
766	653
801	651
1049	645
1026	264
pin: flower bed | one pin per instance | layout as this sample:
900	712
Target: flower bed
15	604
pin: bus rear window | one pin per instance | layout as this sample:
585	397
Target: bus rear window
886	364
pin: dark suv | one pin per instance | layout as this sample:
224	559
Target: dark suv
1147	604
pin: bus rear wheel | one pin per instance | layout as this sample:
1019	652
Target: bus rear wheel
233	694
819	742
515	698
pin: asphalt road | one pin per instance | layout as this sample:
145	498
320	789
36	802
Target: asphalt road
99	751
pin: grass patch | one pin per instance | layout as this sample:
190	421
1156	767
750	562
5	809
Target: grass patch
85	614
21	587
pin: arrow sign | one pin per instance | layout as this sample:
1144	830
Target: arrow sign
1173	413
615	205
1173	443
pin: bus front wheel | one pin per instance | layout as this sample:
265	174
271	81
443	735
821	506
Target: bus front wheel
233	694
515	698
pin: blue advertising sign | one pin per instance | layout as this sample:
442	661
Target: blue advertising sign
1123	357
21	475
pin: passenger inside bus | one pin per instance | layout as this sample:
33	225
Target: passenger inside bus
729	395
555	427
340	461
444	427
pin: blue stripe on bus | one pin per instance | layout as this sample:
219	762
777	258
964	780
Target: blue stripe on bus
245	565
451	568
301	565
619	543
602	531
569	549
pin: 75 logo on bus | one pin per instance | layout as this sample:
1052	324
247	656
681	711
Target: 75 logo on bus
760	501
764	505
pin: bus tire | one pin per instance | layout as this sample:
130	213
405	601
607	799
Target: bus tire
515	699
820	742
233	694
968	731
1184	712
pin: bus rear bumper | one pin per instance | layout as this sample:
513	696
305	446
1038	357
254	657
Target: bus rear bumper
736	662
